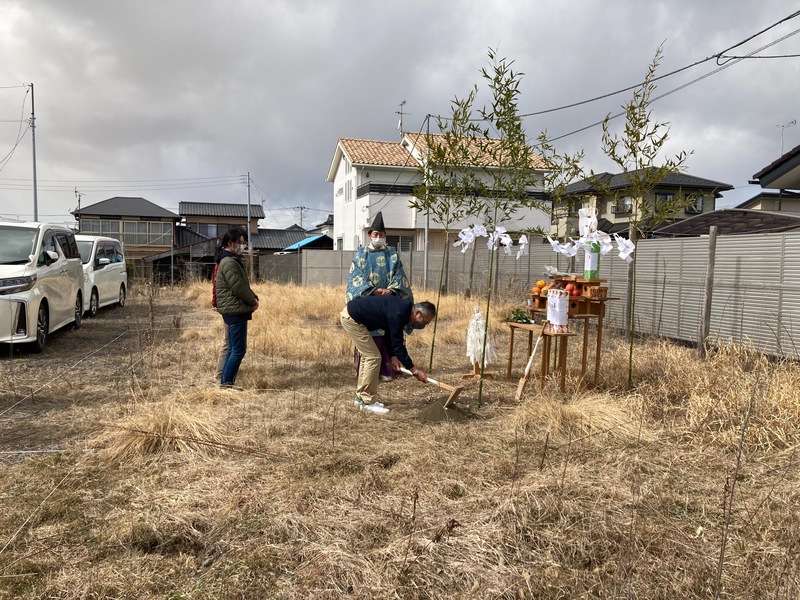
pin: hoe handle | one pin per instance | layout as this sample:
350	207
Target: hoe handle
407	372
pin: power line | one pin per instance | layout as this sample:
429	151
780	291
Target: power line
717	56
685	85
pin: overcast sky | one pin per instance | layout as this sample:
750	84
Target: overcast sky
174	100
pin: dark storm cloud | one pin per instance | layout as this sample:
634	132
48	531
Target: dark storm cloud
181	89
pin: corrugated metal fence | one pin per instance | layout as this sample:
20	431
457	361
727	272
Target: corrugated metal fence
756	293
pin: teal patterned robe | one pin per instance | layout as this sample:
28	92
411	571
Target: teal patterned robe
373	269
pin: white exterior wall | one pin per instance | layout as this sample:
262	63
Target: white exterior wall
351	216
346	210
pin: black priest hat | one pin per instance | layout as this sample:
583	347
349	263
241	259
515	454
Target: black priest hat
377	224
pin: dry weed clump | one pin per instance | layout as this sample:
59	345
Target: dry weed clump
591	414
160	427
711	398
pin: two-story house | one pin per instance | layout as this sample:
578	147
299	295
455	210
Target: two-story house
376	176
143	227
213	219
615	206
782	176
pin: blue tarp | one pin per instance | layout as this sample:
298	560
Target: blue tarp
301	243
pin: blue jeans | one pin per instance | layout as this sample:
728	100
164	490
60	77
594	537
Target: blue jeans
237	348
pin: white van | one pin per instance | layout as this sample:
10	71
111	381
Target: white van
41	282
105	280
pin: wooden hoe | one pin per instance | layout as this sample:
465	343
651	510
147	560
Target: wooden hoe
454	390
526	375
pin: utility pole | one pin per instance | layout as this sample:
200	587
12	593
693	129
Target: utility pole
33	149
301	209
249	229
78	196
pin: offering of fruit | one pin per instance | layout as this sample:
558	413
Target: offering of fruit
569	287
541	283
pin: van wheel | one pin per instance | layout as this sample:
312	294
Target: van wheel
94	304
76	324
42	328
122	295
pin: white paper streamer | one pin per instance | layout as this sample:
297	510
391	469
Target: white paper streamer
475	340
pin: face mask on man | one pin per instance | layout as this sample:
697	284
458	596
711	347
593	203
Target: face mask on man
378	242
241	248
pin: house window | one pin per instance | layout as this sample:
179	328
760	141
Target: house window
403	243
90	226
624	206
347	167
146	233
208	229
98	227
695	205
339	243
664	199
109	228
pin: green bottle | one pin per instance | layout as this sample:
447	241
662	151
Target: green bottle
591	265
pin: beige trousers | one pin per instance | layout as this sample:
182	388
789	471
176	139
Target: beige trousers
370	367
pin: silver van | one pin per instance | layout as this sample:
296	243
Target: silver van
41	282
105	280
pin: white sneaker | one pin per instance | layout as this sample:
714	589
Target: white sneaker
375	407
359	403
386	378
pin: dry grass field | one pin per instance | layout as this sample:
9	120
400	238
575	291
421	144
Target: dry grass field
125	473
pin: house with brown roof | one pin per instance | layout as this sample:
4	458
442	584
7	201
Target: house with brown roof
370	176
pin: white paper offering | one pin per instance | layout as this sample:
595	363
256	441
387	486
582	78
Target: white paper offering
557	301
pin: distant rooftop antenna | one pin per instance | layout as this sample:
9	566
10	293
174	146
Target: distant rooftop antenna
400	112
789	124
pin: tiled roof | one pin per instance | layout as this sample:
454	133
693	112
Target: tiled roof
184	236
371	152
480	149
768	195
328	221
620	181
277	239
121	206
219	209
395	154
793	153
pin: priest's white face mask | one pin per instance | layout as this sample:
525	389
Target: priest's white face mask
377	240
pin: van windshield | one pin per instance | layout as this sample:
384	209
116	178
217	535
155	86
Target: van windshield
17	245
85	248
